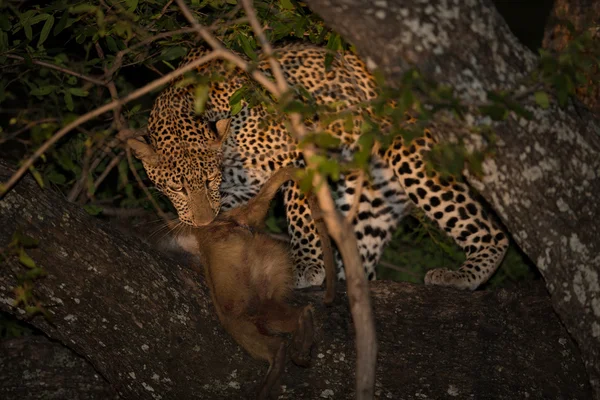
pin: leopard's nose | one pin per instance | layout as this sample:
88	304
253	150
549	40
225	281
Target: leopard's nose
201	209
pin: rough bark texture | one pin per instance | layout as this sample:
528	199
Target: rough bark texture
544	179
34	367
585	16
144	320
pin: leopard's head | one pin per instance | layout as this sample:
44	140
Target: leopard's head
184	160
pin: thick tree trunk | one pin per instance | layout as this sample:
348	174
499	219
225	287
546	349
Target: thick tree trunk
145	322
544	180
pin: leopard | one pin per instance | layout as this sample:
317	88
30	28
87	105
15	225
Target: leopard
220	158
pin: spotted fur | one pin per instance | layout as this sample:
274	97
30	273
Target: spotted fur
257	144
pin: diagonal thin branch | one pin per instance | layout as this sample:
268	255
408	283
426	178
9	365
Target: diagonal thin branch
59	68
267	49
140	183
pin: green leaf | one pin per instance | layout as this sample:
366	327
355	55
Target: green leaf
38	18
200	98
519	110
349	123
236	108
173	53
56	177
37	176
330	167
112	45
295	106
3	41
237	96
322	140
46	30
287	5
333	44
92	209
27	30
69	101
62	23
25	259
271	223
78	92
306	180
123	168
542	99
365	127
24	240
5	24
132	4
496	112
83	8
247	47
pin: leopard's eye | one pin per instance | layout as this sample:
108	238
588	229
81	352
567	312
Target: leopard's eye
176	187
212	177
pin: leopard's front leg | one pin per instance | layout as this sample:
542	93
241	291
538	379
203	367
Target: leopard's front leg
309	269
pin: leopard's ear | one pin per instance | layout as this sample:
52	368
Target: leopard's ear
144	152
223	127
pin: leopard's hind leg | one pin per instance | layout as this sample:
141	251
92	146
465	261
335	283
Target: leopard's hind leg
450	204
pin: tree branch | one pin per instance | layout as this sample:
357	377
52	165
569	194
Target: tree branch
146	323
59	68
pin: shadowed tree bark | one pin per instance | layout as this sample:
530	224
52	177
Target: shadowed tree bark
145	322
33	367
544	179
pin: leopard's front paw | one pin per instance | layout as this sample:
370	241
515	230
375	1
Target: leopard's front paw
309	277
446	277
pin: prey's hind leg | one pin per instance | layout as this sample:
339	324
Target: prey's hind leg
276	367
302	340
281	318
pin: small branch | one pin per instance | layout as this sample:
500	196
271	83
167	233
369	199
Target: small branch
400	269
85	170
59	68
118	61
162	12
267	49
112	89
13	135
140	183
202	31
113	163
